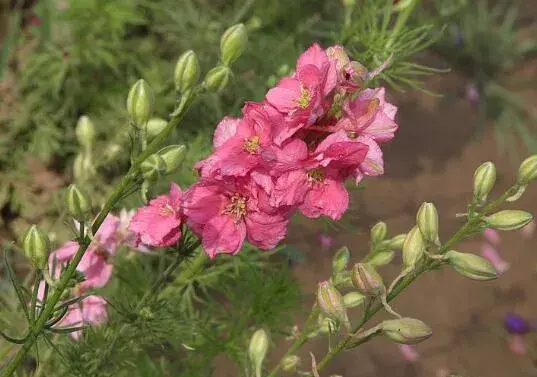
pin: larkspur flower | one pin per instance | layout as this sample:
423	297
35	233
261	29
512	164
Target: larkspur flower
408	352
159	223
492	236
226	212
489	252
91	310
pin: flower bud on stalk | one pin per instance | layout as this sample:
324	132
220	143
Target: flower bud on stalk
406	330
187	71
154	127
484	180
153	167
367	280
427	220
173	156
378	232
233	43
471	266
527	171
140	103
331	301
36	246
217	78
353	299
290	363
78	203
508	219
340	260
396	243
85	132
413	248
257	350
83	167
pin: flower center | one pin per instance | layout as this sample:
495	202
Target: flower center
166	210
237	207
316	175
251	145
305	97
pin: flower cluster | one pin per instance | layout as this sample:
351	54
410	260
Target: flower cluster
96	268
293	151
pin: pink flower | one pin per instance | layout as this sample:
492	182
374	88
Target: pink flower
409	353
326	241
91	310
226	212
239	143
517	344
159	223
351	74
490	253
529	229
302	97
124	235
492	236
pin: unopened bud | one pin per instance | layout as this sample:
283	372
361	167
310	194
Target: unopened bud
257	350
353	299
367	280
527	171
381	258
378	232
153	167
471	266
508	219
397	242
83	167
290	363
406	330
484	180
341	260
187	71
330	300
78	203
173	156
427	220
154	127
217	78
327	325
233	43
413	248
85	132
140	103
36	246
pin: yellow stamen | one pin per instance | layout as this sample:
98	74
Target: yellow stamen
251	145
237	207
316	175
305	97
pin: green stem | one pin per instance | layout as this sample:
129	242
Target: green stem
402	18
116	196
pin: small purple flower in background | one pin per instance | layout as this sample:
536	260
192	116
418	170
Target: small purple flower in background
326	241
529	229
408	352
517	327
472	93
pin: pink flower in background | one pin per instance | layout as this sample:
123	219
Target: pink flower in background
91	311
159	223
326	241
409	353
225	213
529	229
516	344
492	236
124	235
489	252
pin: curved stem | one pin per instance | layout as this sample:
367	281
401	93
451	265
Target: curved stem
114	198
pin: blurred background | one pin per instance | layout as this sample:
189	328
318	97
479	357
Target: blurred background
464	77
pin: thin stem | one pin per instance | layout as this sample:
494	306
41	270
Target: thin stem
402	18
33	300
116	195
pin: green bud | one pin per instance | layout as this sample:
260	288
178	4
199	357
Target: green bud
508	219
527	171
378	232
367	280
330	300
36	246
140	103
341	260
406	330
83	167
348	3
217	78
381	258
173	156
153	167
290	363
517	194
257	350
85	132
484	180
154	127
471	266
78	203
413	248
187	71
396	243
353	299
327	325
233	43
427	220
